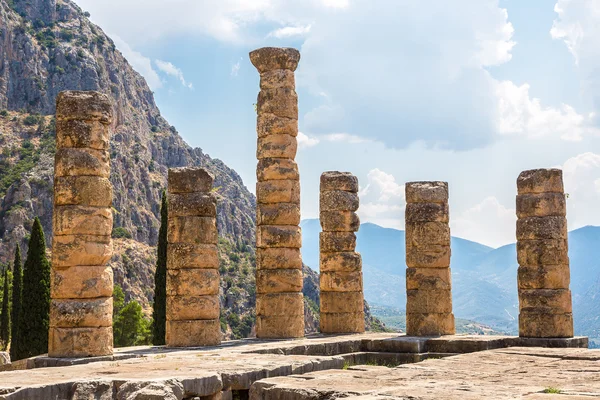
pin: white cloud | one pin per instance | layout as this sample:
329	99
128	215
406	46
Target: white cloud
305	141
139	62
235	68
290	31
581	175
336	3
345	137
171	70
382	200
488	222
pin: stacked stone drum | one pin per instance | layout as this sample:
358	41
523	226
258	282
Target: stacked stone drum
342	301
279	300
81	281
192	260
428	283
543	276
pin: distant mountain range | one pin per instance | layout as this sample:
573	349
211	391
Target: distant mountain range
484	280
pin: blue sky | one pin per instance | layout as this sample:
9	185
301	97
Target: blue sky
468	91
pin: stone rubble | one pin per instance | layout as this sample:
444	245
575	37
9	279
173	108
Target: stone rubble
81	280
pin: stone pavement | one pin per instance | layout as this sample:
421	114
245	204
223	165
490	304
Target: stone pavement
319	367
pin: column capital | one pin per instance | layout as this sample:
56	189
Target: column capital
271	58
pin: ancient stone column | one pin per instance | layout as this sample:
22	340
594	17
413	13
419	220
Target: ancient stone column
342	301
192	260
279	300
543	277
428	283
81	281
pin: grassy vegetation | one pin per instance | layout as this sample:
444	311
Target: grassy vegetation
553	390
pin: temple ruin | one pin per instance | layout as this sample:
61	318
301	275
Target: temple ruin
193	278
341	295
279	299
81	281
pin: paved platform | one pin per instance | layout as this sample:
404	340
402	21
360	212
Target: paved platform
234	367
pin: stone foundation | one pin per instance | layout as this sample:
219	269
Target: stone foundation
545	306
193	261
342	302
81	281
279	302
428	281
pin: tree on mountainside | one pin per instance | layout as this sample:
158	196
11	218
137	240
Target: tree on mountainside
35	311
159	311
16	302
4	316
130	328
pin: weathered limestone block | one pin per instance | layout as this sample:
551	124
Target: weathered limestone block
541	205
271	58
189	180
279	304
337	200
278	258
80	342
83	134
274	169
279	236
279	281
192	230
545	302
83	105
340	221
338	281
281	191
342	322
545	325
345	261
281	326
428	279
193	204
336	180
342	302
81	282
427	192
82	220
557	301
278	214
432	256
184	255
271	124
544	277
198	332
276	146
181	308
423	301
90	191
542	252
532	228
427	212
81	162
540	181
192	282
430	324
277	79
73	250
330	242
80	313
427	234
282	102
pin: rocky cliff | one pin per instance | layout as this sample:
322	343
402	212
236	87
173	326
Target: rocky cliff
47	46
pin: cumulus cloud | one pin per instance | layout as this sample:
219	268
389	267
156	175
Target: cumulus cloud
581	175
305	141
290	31
139	62
488	222
171	70
382	200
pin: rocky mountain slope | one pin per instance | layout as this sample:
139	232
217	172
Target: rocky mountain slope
47	46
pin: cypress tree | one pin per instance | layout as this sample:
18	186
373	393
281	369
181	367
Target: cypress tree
159	308
16	303
4	317
35	302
